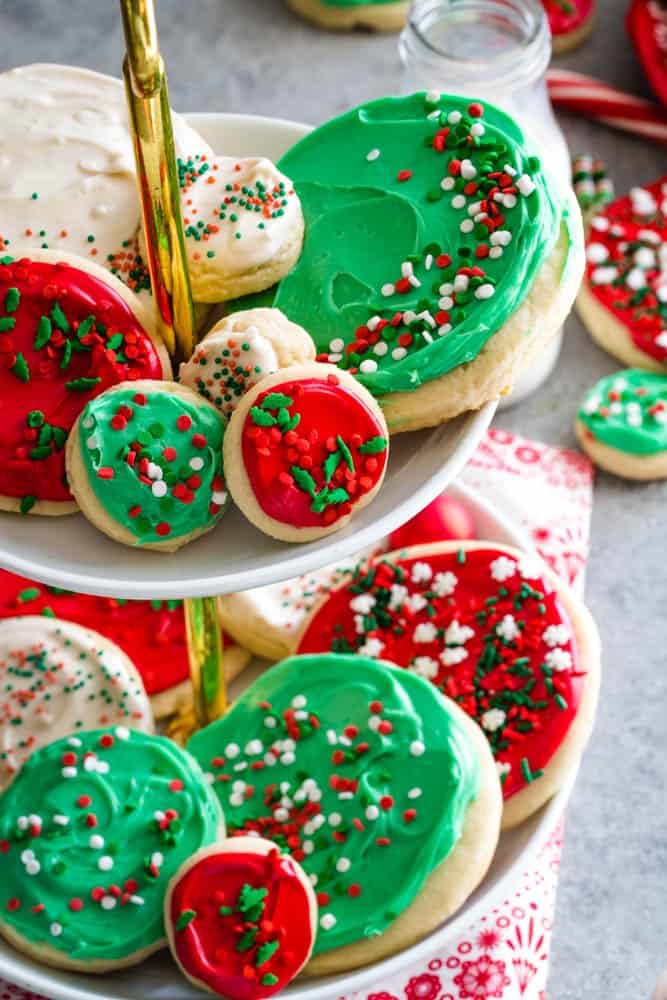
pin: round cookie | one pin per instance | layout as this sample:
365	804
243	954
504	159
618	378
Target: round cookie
241	350
345	15
623	299
571	22
91	831
57	678
241	918
68	330
439	256
491	628
144	461
243	225
68	164
357	769
150	633
622	424
305	449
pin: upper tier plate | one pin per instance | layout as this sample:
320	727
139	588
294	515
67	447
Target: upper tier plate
69	552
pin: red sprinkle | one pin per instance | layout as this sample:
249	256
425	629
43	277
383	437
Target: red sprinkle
184	422
403	175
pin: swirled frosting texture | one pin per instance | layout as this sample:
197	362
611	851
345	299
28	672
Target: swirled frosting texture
355	767
427	220
91	831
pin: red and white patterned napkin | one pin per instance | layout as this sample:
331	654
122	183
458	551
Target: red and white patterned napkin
505	954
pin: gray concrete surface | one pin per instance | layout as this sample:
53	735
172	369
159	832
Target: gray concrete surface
255	56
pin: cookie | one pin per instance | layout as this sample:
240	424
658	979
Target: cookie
144	461
57	678
622	424
570	21
305	449
592	184
91	831
345	15
67	147
357	768
646	24
68	330
623	299
439	255
243	225
150	633
241	350
241	918
491	628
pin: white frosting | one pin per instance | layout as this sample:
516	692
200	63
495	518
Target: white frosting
245	238
57	678
66	139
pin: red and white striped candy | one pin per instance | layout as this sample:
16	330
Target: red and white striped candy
590	97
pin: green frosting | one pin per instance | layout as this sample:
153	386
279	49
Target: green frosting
155	466
357	768
91	831
404	193
628	411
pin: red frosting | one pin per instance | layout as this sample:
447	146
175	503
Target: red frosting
444	519
45	344
647	26
311	450
534	683
639	310
567	15
235	952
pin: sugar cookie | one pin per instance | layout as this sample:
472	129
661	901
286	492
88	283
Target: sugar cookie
571	22
359	769
622	424
305	448
345	15
58	678
68	330
91	831
241	918
241	350
439	256
623	298
491	628
144	461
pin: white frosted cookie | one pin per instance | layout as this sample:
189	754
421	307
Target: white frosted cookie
373	15
241	350
243	225
67	174
57	679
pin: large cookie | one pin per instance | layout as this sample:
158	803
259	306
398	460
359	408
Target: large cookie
492	629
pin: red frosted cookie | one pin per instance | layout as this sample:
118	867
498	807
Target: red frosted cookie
150	633
304	450
494	630
241	918
646	23
68	331
623	299
570	21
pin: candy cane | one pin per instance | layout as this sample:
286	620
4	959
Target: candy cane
587	96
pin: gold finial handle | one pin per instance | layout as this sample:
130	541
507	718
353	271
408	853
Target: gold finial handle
145	62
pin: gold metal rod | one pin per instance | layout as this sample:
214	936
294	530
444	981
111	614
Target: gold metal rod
150	119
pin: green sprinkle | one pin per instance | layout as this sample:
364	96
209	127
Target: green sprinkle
275	400
29	594
37	454
265	952
20	367
226	911
12	299
48	612
84	327
82	384
261	417
35	418
373	446
67	355
59	318
27	503
461	556
247	940
44	332
346	453
7	323
527	773
269	979
115	341
186	917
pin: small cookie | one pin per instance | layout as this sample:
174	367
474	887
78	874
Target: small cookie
305	449
150	633
144	461
243	225
68	330
646	24
491	628
91	831
241	918
358	769
345	15
241	350
571	22
58	678
622	424
623	297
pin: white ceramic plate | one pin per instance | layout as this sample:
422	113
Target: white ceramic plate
158	979
69	552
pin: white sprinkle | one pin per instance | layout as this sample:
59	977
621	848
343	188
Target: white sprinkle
122	732
503	768
236	799
454	117
444	329
485	291
503	568
139	901
69	772
414	281
414	793
468	170
196	463
327	921
444	584
372	647
332	739
425	632
60	820
88	422
526	185
493	719
558	659
461	282
501	237
467	226
556	635
380	348
388	289
417	748
600	224
447	183
368	365
635	279
288	758
241	766
363	603
254	747
92	442
96	841
453	655
55	929
343	865
33	867
337	344
372	813
477	129
22	822
372	155
507	628
432	96
281	814
270	722
458	634
424	666
239	786
108	902
428	262
398	353
458	201
446	302
159	488
105	864
74	741
421	572
495	253
232	750
157	858
335	819
308	847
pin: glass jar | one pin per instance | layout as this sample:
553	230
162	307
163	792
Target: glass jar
496	51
